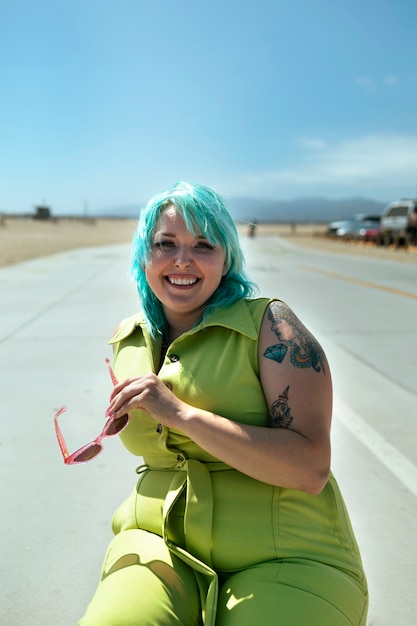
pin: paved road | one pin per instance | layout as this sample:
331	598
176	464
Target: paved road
56	314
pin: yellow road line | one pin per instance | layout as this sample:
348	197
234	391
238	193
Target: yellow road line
365	283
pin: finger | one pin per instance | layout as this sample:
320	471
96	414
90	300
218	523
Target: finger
115	410
120	387
121	401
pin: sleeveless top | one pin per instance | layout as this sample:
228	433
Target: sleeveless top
214	367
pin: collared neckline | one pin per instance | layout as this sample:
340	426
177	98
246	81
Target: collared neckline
236	317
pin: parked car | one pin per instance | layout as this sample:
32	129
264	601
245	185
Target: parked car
372	234
360	227
394	220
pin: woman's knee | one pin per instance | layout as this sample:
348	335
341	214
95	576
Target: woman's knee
142	584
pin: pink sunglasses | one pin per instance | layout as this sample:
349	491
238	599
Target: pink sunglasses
113	426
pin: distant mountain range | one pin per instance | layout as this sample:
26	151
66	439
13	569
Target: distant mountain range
297	210
302	209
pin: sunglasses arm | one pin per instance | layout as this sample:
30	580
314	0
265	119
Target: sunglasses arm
112	374
59	435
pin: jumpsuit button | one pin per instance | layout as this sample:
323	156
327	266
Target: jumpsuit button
159	428
174	358
180	457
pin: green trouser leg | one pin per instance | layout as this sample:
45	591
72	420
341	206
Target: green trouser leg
291	594
143	584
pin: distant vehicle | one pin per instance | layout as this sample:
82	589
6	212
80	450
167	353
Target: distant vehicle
42	213
394	219
372	234
361	227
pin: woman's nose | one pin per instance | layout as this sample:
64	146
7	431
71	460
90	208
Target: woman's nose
183	258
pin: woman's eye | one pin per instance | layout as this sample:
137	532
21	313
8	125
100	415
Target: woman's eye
205	245
163	244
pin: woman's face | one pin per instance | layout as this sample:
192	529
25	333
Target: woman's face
184	270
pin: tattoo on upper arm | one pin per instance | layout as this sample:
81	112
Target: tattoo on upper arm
280	414
304	350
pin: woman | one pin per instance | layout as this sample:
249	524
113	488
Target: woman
236	519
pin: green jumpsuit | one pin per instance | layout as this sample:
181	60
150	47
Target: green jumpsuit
198	542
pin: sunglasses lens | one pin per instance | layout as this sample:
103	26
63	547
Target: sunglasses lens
88	453
115	426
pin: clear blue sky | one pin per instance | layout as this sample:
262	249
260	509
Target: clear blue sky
106	102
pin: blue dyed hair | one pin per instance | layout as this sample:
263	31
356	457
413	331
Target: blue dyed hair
204	213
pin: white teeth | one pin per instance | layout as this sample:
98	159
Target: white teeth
182	281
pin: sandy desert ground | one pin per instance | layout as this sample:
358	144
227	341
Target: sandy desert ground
22	239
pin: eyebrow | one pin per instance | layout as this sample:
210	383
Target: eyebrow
174	235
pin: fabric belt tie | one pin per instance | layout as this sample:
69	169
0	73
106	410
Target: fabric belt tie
193	479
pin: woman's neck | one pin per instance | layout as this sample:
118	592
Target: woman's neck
177	326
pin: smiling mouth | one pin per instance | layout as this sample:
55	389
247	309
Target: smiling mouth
182	282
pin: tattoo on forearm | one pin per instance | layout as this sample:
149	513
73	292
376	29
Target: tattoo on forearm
280	415
304	350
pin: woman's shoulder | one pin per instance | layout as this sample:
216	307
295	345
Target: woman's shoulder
255	311
260	306
254	303
126	327
278	311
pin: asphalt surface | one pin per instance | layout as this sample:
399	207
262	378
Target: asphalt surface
56	314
